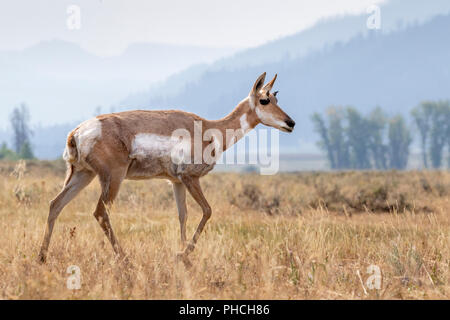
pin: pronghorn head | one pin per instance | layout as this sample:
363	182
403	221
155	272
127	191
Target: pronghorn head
265	105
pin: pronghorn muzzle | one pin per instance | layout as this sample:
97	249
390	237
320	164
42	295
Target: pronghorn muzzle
290	124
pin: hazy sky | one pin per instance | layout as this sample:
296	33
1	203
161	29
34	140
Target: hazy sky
109	26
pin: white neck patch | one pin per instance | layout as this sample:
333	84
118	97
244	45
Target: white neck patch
251	101
245	126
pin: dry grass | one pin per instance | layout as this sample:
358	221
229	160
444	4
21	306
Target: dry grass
290	236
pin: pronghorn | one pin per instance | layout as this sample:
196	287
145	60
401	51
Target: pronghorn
137	145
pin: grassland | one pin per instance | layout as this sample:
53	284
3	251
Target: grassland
289	236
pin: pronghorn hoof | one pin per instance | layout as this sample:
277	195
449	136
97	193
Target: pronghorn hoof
181	256
123	260
42	258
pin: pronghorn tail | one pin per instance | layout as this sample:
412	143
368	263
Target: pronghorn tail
70	156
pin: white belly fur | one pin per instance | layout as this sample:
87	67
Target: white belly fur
149	145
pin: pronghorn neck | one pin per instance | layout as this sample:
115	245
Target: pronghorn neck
241	120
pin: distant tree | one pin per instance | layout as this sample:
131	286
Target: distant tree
445	105
20	119
422	116
6	153
399	142
448	134
26	151
338	140
376	126
358	139
333	137
438	132
322	130
3	150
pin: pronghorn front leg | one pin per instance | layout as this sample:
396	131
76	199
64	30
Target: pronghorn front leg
179	190
193	186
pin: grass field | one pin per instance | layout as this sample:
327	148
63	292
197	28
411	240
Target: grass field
289	236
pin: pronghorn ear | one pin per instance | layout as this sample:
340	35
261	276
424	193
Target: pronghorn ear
269	85
258	84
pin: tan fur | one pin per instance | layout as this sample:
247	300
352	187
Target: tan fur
108	154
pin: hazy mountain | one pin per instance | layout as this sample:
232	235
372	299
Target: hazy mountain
62	82
396	15
394	70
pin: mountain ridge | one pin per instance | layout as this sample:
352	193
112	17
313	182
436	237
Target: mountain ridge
395	70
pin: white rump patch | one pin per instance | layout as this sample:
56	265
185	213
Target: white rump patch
86	136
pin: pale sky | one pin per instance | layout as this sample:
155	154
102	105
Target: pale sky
109	26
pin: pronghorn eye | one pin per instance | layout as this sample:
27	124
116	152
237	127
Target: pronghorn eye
275	93
264	101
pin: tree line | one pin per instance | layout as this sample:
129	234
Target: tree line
20	124
350	139
376	141
432	119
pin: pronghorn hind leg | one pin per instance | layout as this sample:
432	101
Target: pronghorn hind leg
179	191
76	182
193	186
110	188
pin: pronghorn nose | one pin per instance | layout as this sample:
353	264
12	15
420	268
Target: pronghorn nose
290	122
